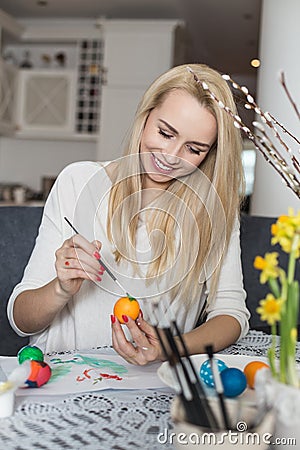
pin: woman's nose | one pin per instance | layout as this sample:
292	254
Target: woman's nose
172	153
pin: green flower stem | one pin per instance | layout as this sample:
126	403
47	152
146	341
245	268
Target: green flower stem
283	345
293	308
284	330
271	351
274	286
292	258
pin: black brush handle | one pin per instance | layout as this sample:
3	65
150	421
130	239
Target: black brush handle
197	408
218	385
197	383
112	276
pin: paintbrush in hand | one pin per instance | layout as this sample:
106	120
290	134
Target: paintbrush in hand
112	276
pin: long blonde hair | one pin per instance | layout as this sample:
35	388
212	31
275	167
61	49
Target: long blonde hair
199	209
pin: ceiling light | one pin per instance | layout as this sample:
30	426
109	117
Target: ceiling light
255	62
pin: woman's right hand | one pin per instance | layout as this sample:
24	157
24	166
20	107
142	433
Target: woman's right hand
77	260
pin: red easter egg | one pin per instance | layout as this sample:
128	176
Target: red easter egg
40	373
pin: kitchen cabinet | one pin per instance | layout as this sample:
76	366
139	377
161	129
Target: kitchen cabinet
59	92
9	29
135	53
8	87
108	64
45	102
59	87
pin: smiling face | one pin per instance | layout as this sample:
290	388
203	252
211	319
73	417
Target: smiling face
177	137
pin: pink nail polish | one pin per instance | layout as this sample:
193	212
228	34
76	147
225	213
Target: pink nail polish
112	318
98	278
97	255
125	318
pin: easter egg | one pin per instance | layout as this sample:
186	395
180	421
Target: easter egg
234	381
30	352
206	374
40	373
126	306
251	369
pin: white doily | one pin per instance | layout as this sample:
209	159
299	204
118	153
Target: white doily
256	343
95	421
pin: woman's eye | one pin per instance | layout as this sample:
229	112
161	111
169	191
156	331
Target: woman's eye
165	134
196	151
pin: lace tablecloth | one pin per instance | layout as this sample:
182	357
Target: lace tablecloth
106	420
256	343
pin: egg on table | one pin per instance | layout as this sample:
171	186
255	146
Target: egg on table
206	372
30	352
251	369
40	374
234	381
40	371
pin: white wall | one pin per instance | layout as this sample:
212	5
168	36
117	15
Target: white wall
26	161
279	50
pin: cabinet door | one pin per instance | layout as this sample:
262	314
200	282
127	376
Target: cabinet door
118	106
8	81
46	101
134	55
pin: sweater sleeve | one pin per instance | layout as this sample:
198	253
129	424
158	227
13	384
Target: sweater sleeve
53	230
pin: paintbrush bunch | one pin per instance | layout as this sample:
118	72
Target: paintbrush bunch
186	380
265	135
187	384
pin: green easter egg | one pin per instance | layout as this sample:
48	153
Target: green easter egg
30	352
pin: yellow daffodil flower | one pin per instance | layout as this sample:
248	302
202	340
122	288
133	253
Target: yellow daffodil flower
281	304
270	309
268	266
284	230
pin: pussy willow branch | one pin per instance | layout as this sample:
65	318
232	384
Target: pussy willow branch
266	117
283	83
284	129
288	170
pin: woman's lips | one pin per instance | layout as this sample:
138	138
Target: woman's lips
161	167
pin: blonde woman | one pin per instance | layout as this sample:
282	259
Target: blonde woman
165	219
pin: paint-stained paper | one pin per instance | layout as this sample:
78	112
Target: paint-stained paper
85	372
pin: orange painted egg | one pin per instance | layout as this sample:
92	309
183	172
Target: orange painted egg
126	306
251	369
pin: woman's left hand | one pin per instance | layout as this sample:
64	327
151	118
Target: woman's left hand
145	348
